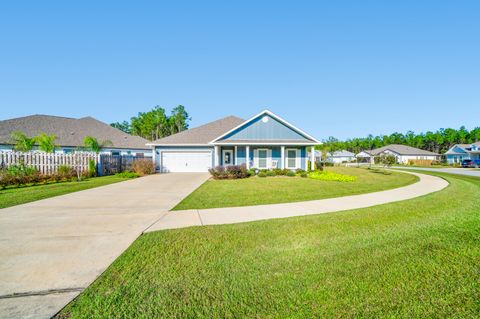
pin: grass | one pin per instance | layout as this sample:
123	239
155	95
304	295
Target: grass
271	190
411	259
21	195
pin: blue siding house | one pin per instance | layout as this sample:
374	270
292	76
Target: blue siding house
264	141
459	152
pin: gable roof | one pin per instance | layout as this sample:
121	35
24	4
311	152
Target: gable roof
343	153
402	150
200	135
463	147
69	131
309	139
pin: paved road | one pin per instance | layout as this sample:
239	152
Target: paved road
50	250
451	170
231	215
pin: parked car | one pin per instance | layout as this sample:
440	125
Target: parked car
471	163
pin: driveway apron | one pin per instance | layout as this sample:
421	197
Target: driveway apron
52	249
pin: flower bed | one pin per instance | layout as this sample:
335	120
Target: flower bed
331	176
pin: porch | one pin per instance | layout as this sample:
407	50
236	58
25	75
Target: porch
265	156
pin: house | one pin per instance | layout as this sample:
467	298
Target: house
459	152
403	153
365	156
71	133
264	141
336	157
341	157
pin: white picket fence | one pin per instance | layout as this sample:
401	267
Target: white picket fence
47	163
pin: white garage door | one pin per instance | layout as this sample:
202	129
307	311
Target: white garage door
186	161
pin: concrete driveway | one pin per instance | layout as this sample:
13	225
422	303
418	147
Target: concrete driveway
50	250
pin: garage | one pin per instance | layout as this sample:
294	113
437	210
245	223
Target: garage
178	161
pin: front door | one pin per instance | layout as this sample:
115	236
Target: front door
227	157
262	159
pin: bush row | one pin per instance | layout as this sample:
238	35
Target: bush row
240	171
17	175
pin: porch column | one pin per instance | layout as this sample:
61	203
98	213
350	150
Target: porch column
282	157
216	160
247	156
312	158
154	157
235	160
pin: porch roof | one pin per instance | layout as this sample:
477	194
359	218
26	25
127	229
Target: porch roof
264	142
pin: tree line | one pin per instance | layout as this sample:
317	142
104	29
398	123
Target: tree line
439	141
155	123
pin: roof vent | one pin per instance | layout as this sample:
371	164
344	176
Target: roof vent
265	119
72	133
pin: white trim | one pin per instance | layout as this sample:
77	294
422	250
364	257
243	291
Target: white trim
174	145
275	117
266	143
216	159
235	157
268	159
247	156
297	158
231	157
282	157
312	158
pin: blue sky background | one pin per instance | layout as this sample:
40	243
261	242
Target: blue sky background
334	68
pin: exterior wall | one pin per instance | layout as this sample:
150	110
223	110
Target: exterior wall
160	149
270	130
71	149
339	160
275	153
457	158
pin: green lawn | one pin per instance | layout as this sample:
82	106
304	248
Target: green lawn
16	196
412	259
271	190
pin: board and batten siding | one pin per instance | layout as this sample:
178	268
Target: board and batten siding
270	130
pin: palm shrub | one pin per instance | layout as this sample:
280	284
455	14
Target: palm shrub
22	142
46	142
230	172
92	144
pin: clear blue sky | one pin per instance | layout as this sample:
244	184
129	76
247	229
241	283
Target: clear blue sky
341	68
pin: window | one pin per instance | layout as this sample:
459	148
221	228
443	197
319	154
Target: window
291	158
115	153
262	158
68	150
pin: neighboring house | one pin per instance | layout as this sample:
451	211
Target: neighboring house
365	156
459	152
71	133
337	157
341	157
403	153
264	141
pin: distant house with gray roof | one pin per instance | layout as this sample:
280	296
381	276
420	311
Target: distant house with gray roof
336	157
403	153
71	133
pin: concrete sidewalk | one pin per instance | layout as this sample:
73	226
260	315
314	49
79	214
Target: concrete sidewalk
52	249
179	219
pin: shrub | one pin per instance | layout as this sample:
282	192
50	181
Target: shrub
270	173
230	172
92	168
21	170
127	174
252	172
143	167
262	174
331	176
290	173
300	171
304	174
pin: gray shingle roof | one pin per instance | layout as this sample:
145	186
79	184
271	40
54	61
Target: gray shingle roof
402	150
202	135
291	142
69	131
343	153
